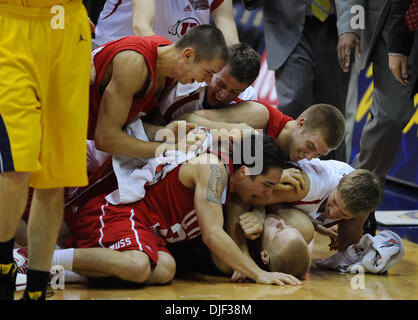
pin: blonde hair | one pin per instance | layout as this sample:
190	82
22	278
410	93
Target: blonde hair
360	191
293	257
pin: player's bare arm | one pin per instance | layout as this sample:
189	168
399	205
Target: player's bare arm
350	231
209	213
211	124
233	211
129	77
143	17
252	113
223	17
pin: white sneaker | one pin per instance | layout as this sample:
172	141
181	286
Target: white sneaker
20	282
21	258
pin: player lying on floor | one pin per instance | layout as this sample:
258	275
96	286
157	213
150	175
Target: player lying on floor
129	241
332	193
279	246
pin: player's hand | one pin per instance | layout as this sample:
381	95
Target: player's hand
251	224
177	130
238	133
277	278
246	130
398	64
333	235
238	277
346	42
331	232
291	179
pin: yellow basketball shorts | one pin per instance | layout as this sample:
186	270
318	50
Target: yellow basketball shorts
44	93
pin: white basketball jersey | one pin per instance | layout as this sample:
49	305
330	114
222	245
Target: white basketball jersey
173	18
190	97
324	176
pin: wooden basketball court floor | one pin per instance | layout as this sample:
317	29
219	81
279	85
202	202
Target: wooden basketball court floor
399	283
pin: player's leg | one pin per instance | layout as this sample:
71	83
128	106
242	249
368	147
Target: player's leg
20	134
131	265
13	194
64	126
165	269
44	223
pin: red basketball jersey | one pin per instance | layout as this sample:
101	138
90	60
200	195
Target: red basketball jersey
277	120
147	47
172	205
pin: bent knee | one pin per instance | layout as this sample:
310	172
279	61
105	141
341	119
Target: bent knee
166	267
14	181
136	266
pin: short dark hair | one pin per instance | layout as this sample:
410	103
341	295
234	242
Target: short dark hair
273	156
207	41
244	62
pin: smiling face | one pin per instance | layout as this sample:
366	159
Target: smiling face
224	88
306	144
250	187
334	208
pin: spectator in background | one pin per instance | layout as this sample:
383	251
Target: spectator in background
402	35
171	19
300	44
392	107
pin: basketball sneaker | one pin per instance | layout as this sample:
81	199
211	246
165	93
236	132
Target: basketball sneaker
370	225
21	258
7	280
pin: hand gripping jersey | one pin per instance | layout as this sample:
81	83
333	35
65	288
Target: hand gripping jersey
102	57
184	98
173	18
167	213
324	176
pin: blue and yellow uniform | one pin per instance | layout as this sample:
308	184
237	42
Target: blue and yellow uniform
45	48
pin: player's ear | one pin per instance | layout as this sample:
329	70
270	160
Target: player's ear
265	257
300	124
188	55
244	171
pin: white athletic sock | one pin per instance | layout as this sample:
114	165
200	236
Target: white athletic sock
71	276
63	258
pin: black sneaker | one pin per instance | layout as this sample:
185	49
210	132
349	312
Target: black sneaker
370	225
34	295
7	280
